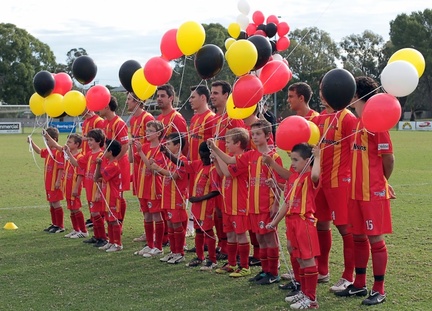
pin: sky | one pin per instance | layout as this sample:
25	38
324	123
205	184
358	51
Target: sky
113	32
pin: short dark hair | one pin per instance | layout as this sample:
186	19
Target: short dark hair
113	104
302	89
77	138
366	87
263	124
53	132
226	87
201	90
158	126
98	135
176	138
304	150
168	88
239	134
114	146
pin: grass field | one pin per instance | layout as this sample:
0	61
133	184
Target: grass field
40	271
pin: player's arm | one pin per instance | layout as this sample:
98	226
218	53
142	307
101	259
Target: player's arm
171	156
57	184
130	152
51	140
77	185
279	169
222	155
221	167
207	196
72	159
98	175
279	216
316	167
388	164
35	147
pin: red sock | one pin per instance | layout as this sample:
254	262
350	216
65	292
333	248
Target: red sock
179	240
210	241
80	221
222	237
255	244
310	282
74	221
199	244
99	227
232	248
171	239
379	265
348	252
361	258
110	233
301	279
116	233
123	206
296	267
149	231
264	260
243	251
53	219
59	216
325	243
273	260
159	233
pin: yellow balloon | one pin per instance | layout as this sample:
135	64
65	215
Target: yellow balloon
241	57
53	105
411	56
190	37
140	86
229	42
74	103
36	104
315	134
234	30
238	113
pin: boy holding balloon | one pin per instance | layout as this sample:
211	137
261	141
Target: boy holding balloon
369	204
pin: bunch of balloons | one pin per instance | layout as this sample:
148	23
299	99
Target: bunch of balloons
294	130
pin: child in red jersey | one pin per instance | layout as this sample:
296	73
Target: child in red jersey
298	211
175	183
107	174
235	210
262	202
53	171
95	140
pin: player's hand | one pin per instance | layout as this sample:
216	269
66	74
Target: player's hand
98	160
270	182
270	226
210	143
266	159
392	192
163	149
137	144
57	185
316	151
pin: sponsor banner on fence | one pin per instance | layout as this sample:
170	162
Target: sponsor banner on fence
424	126
415	126
64	127
406	126
10	128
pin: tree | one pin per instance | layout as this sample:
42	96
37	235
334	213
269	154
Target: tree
363	54
415	31
312	53
21	57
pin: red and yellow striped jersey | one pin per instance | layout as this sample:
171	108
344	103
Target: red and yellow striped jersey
173	122
175	191
300	195
54	161
235	191
89	124
223	123
137	126
88	164
111	182
70	176
201	128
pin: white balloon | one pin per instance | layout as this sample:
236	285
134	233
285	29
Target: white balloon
243	7
399	78
277	57
243	21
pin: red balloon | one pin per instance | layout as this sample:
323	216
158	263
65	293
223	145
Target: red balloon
247	91
157	71
169	47
63	83
282	44
282	29
250	29
381	112
97	97
272	19
258	17
291	131
260	32
274	76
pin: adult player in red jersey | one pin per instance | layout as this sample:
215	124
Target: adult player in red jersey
53	171
137	127
336	128
299	95
219	92
91	121
369	204
262	202
116	128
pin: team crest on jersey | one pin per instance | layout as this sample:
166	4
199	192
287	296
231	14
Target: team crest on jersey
149	204
234	224
200	222
169	215
261	224
380	194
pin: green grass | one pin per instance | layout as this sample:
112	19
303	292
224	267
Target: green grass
39	271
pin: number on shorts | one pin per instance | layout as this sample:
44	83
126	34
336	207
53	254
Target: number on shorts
369	225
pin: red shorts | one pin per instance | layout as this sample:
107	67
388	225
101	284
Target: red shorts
303	236
73	204
332	205
175	215
113	214
235	223
150	206
258	222
370	217
202	216
97	206
54	195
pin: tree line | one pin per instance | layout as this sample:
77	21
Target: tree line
311	54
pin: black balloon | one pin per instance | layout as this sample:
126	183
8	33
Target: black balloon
84	69
209	61
261	27
270	29
338	87
126	73
273	46
43	83
264	50
242	35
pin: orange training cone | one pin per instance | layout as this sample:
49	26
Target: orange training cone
10	226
